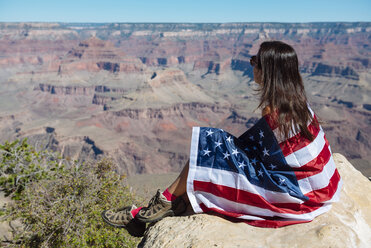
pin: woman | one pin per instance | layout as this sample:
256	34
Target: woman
279	172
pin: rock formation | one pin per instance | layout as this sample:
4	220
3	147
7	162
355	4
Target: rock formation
94	55
347	224
136	89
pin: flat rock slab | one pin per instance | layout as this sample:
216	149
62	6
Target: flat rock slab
347	224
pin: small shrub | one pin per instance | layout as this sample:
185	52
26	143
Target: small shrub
21	164
63	209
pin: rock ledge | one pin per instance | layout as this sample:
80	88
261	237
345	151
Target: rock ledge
348	224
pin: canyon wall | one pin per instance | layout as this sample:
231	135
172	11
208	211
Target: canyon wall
133	91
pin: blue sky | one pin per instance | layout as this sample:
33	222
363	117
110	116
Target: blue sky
185	11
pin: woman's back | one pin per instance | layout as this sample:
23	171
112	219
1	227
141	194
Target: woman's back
280	171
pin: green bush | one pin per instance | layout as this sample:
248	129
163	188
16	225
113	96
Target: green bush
21	164
62	207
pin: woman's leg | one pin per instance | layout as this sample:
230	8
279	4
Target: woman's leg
179	186
158	209
167	203
172	205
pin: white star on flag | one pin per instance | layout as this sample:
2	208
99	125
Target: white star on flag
217	144
253	161
282	180
265	151
261	143
241	165
226	155
234	152
209	132
206	152
229	139
252	137
260	173
272	166
261	133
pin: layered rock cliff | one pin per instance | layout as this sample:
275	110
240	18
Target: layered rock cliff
347	224
136	89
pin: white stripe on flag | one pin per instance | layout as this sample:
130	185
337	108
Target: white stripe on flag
307	153
336	196
320	180
193	169
202	198
209	201
239	181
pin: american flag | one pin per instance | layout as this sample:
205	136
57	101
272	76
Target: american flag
260	178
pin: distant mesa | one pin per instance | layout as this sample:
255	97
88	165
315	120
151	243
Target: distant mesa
94	48
321	69
345	103
94	55
168	77
241	62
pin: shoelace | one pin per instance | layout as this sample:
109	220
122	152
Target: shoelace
154	199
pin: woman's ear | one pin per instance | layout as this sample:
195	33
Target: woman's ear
266	110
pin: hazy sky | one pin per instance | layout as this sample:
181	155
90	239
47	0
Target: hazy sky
184	11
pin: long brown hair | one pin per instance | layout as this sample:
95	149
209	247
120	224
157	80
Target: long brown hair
282	88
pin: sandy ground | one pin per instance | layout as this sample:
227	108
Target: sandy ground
146	185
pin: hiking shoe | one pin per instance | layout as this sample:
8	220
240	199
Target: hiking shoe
159	207
122	218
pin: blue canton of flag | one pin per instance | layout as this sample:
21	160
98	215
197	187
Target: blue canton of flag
255	154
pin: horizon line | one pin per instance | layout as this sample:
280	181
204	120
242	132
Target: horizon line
275	22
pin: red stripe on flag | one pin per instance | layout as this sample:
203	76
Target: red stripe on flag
315	166
244	197
275	223
326	193
327	143
298	141
271	122
219	211
271	223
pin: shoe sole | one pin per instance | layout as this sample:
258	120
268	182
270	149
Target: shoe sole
169	213
126	227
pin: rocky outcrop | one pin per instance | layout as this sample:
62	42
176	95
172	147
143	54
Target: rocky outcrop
347	224
94	55
100	95
178	110
81	148
100	99
321	69
65	90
